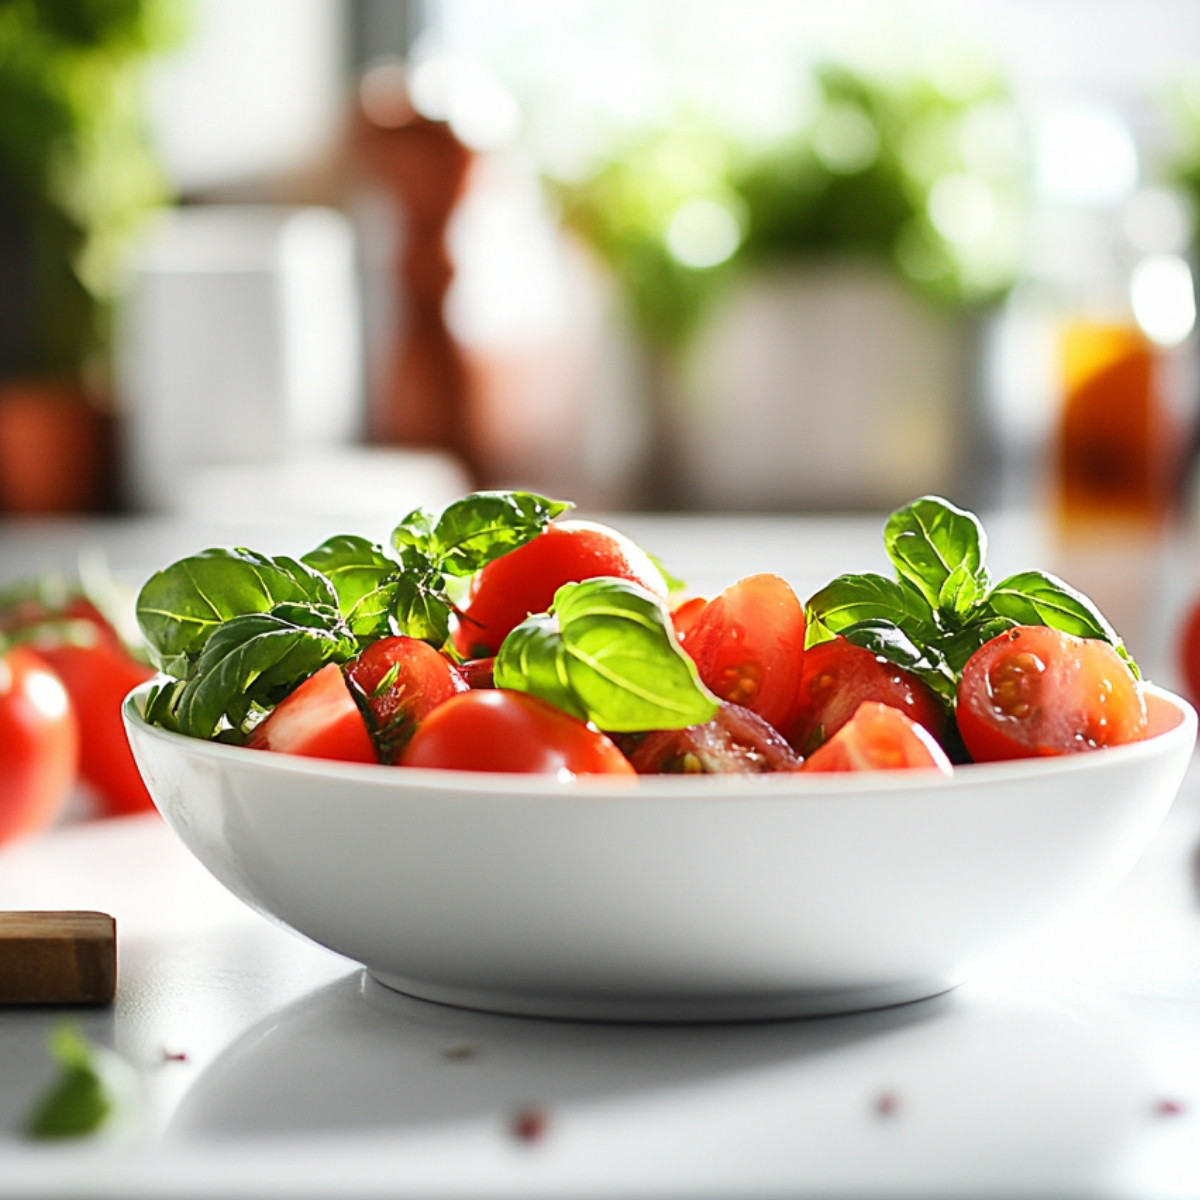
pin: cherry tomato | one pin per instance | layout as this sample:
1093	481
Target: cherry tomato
399	681
1189	653
479	672
838	676
39	744
879	737
748	644
98	674
685	616
736	740
1037	691
524	580
320	719
499	730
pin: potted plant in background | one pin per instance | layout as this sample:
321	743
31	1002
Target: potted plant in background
76	179
808	307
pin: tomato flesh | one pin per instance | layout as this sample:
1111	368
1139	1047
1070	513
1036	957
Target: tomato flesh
838	676
1036	691
398	682
524	580
735	741
879	737
748	645
39	744
499	730
320	719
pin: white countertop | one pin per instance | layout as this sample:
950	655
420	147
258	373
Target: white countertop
273	1067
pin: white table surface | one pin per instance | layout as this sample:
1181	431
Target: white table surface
1070	1066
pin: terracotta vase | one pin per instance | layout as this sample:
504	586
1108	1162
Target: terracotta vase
55	449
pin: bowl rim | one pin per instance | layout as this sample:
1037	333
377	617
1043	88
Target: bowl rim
1014	771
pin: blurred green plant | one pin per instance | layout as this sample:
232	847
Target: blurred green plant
931	183
77	175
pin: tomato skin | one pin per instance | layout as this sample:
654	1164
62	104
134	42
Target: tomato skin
398	681
98	676
501	730
838	676
1035	691
39	744
685	616
320	719
748	645
879	737
524	580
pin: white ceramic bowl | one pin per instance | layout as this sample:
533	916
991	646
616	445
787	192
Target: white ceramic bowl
684	898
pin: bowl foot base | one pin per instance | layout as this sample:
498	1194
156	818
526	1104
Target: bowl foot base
670	1008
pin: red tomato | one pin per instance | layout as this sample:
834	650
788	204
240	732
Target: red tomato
399	681
838	676
98	675
735	741
1037	691
879	737
524	580
685	616
39	744
499	730
320	719
748	644
1189	653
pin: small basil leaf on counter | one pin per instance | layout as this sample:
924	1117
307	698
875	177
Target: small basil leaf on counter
531	660
623	661
363	577
1038	598
260	658
92	1087
481	527
928	541
850	600
180	607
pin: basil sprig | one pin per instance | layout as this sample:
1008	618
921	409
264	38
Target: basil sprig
238	630
606	652
942	606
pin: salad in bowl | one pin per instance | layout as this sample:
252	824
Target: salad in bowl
508	761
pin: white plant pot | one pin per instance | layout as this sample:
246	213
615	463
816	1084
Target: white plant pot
827	387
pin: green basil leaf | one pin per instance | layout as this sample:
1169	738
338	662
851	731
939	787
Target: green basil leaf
851	600
958	647
181	606
929	541
1039	598
673	582
623	661
363	577
162	704
415	532
260	658
473	531
87	1094
888	640
531	659
420	606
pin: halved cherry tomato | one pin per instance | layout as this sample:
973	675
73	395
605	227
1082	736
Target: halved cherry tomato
498	730
685	616
736	740
320	719
399	681
838	676
524	580
748	644
1037	691
879	737
39	744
